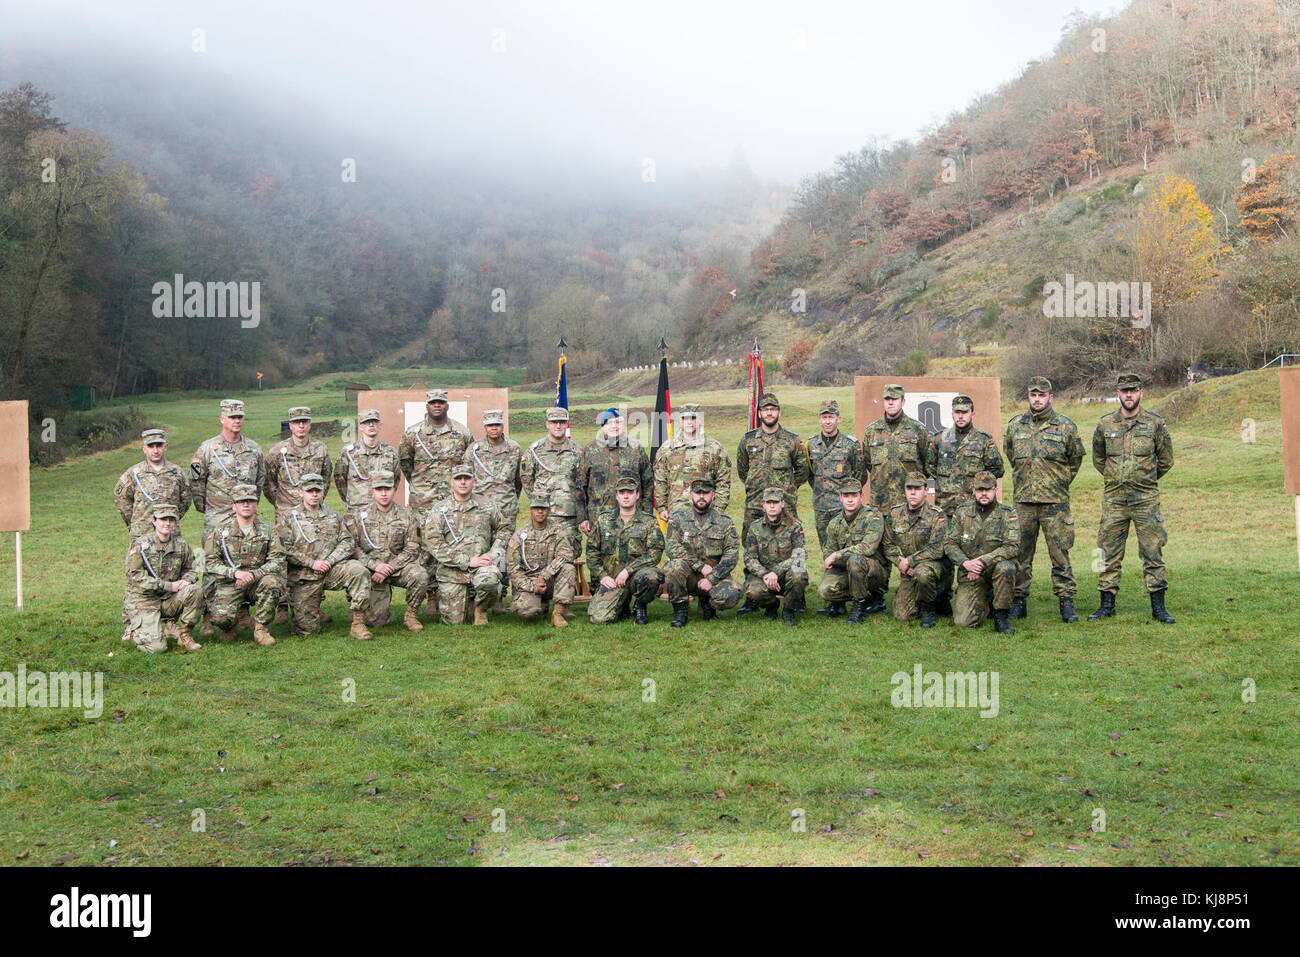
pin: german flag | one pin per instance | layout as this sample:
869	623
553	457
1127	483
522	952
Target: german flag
662	428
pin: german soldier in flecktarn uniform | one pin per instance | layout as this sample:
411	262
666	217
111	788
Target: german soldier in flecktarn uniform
623	553
957	453
361	459
465	536
539	561
703	549
160	584
833	459
245	565
290	459
386	540
895	444
854	566
914	538
982	543
776	559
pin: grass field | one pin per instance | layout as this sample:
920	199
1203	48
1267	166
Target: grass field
742	742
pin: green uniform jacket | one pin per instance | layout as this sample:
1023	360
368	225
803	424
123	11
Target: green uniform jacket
713	542
893	450
356	464
917	536
992	535
286	464
151	566
954	458
775	546
496	473
603	463
227	549
380	536
862	536
426	456
1132	455
777	459
455	532
615	545
218	466
550	468
679	461
829	462
308	537
537	551
1045	453
142	486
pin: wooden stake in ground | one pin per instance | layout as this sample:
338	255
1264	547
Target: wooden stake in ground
15	478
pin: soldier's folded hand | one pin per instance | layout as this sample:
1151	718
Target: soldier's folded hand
830	560
383	569
541	584
243	579
609	582
772	582
706	571
621	580
179	584
480	561
904	567
585	528
320	565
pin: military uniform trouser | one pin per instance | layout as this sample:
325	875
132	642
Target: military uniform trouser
145	616
792	585
226	598
1057	523
823	521
970	605
860	575
560	588
454	597
305	597
683	582
609	604
412	578
1112	536
570	525
921	586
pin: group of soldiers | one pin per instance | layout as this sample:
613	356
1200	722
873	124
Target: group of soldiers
456	545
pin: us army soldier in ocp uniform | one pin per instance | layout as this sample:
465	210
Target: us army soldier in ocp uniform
833	459
983	541
221	463
703	548
539	560
853	565
623	553
776	559
495	460
914	540
687	454
155	481
428	451
160	583
245	564
386	540
290	459
466	537
360	460
550	469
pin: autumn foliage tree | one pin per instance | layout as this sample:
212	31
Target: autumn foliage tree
1266	202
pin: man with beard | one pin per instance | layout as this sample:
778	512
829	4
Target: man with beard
702	551
982	543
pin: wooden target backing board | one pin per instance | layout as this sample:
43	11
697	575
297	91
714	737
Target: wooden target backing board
1289	382
15	475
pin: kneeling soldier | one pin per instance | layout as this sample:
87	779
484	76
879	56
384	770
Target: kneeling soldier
914	535
318	557
776	562
160	583
702	548
386	539
243	560
466	535
983	541
853	563
623	551
540	562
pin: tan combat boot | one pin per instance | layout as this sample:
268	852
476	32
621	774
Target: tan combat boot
411	620
261	635
480	615
558	618
359	629
185	640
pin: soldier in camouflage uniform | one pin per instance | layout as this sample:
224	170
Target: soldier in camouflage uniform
1045	452
1132	449
360	460
245	564
160	583
428	451
318	556
776	560
983	541
221	463
466	536
833	458
155	481
550	468
895	444
957	453
290	459
495	460
687	454
854	565
540	563
623	553
608	456
386	540
702	551
914	541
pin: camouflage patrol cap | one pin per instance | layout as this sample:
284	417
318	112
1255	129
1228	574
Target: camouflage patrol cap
232	407
382	478
769	400
154	437
894	391
557	414
702	483
963	403
300	413
244	493
540	500
917	480
773	494
627	483
435	395
691	409
1041	384
462	471
984	479
830	405
163	510
494	417
849	486
1128	380
313	481
368	415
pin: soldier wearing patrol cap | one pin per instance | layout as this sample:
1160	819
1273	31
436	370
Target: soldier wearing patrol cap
895	444
290	459
914	540
776	559
161	576
428	451
982	542
689	453
1132	449
243	565
623	553
703	549
957	453
495	460
155	481
833	458
386	540
854	567
360	460
550	468
539	560
466	537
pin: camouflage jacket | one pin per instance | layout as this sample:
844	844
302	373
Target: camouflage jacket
954	458
152	566
680	460
775	546
217	467
829	462
893	450
614	545
551	469
496	473
355	465
990	534
286	464
308	537
1045	453
862	536
380	536
426	456
142	486
711	542
455	532
256	551
771	459
602	464
917	535
537	551
1132	455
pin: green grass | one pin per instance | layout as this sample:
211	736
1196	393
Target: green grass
750	720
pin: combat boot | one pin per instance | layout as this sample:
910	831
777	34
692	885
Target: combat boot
359	630
943	601
557	616
772	611
1107	606
1068	614
707	611
679	614
481	618
569	613
639	613
858	613
261	635
799	604
1017	609
927	613
412	620
1001	622
185	640
834	609
787	615
875	602
1158	608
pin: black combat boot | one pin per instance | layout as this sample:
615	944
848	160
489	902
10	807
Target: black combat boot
1017	608
834	609
943	601
747	607
1158	608
679	614
858	614
639	613
1001	623
1068	614
799	604
927	613
787	614
707	611
875	602
1107	608
771	611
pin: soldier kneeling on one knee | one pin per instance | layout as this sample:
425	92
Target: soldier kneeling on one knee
703	548
982	543
539	561
853	563
160	584
386	540
244	562
914	537
776	560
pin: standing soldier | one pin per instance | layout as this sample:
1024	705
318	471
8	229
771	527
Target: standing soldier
360	460
914	538
957	453
245	563
160	583
609	455
623	555
1045	452
833	459
983	541
466	537
155	481
854	567
318	555
495	460
290	459
386	540
702	551
1133	450
776	560
895	445
539	560
687	454
550	468
221	463
428	451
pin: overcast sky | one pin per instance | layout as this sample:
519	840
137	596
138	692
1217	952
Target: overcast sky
792	83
